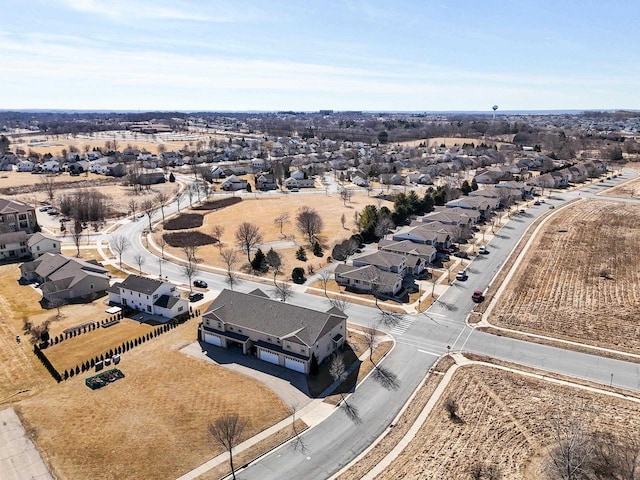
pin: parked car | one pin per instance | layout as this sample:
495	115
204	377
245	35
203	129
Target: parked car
44	209
536	202
195	296
477	296
461	254
53	212
462	275
522	210
482	250
551	206
200	284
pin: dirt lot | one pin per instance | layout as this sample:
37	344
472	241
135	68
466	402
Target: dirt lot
151	424
264	209
580	280
506	419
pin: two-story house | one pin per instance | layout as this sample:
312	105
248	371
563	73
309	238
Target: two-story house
276	332
16	215
155	297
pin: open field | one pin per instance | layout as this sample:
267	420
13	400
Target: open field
151	424
263	210
630	189
580	279
506	420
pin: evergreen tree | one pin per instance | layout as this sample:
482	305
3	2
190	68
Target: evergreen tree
259	262
317	249
314	368
301	254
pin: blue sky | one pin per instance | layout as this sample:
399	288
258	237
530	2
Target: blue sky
310	55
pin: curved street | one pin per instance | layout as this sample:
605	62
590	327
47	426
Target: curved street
442	328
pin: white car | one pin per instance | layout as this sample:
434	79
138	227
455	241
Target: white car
482	250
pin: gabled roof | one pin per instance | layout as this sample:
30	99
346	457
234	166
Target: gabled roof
14	206
381	258
13	237
368	274
166	301
141	284
407	247
257	311
37	238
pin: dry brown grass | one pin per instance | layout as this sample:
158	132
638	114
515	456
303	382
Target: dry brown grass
151	424
506	419
559	289
630	189
264	209
256	451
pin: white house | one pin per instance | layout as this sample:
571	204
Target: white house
233	183
39	244
148	295
25	166
51	166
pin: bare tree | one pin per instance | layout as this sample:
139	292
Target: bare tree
179	199
161	243
325	276
571	451
343	220
309	223
49	186
149	208
189	271
162	198
133	205
139	259
227	431
192	191
338	372
248	236
274	261
339	303
191	253
370	335
230	257
217	231
283	291
76	234
345	195
280	220
120	244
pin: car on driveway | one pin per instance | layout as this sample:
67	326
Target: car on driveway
462	275
195	296
44	209
53	212
200	283
477	296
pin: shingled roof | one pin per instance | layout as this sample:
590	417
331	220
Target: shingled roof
256	311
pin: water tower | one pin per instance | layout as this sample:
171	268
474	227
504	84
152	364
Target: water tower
495	107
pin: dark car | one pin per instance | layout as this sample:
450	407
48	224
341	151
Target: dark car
477	296
44	209
195	296
200	283
53	212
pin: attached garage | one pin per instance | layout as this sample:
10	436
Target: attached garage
294	364
212	339
268	356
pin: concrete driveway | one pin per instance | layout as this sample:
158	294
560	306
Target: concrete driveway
289	385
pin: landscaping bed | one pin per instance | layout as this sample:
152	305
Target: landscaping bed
184	221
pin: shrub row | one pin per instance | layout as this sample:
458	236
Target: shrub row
180	239
217	204
184	221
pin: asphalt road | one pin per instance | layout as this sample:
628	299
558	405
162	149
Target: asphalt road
420	340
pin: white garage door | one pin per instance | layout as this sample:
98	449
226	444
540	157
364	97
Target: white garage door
212	339
294	364
268	357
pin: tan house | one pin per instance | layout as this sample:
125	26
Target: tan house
66	278
16	215
368	279
275	332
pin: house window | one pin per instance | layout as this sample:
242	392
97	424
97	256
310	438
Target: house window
147	297
155	296
301	348
148	308
91	286
287	346
55	246
268	339
22	216
38	248
240	330
139	295
230	328
3	247
180	309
